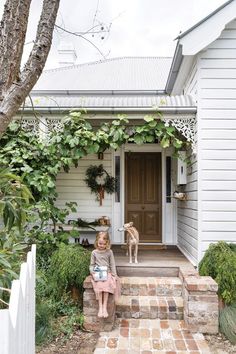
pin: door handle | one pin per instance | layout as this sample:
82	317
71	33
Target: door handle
143	207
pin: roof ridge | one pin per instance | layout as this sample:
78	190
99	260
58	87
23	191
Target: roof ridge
104	61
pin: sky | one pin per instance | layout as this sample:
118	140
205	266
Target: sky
136	27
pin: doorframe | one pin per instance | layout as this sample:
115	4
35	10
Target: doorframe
169	210
144	148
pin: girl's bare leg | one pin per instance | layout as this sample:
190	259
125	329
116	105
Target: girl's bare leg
100	308
105	299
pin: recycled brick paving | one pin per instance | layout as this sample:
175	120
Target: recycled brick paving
148	336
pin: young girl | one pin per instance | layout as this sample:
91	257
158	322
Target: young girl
103	256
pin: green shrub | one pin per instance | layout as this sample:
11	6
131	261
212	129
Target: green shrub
44	316
219	262
54	317
69	267
233	246
47	243
228	322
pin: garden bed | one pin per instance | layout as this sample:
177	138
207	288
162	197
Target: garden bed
80	342
219	344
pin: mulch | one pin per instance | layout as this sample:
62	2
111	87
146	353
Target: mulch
80	342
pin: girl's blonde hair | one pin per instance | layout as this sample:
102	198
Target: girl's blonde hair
105	236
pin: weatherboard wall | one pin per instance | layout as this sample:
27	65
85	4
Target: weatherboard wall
72	187
187	213
217	140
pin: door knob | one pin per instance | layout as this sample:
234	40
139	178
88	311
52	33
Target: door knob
143	207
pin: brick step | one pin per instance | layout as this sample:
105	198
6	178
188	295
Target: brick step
137	270
150	307
151	286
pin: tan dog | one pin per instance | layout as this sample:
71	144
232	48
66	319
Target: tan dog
132	240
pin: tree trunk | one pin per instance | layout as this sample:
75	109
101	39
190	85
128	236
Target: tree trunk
14	84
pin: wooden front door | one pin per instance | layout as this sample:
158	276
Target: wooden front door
143	194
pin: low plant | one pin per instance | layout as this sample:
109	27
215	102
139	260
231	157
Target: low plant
12	254
233	246
219	262
43	322
69	267
55	317
228	322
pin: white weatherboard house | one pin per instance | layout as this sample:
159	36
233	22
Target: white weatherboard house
196	92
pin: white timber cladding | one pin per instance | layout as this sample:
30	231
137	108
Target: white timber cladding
216	139
72	187
187	211
187	214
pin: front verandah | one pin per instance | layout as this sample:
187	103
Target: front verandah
152	262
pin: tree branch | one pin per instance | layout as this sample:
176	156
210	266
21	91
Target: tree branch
18	91
12	36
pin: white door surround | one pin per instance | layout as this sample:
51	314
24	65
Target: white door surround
169	233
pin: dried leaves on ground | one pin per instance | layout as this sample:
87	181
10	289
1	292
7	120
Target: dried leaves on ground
79	343
219	344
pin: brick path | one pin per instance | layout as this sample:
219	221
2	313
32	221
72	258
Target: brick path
145	336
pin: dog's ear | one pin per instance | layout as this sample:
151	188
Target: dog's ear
131	223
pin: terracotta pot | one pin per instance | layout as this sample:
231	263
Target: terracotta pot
75	294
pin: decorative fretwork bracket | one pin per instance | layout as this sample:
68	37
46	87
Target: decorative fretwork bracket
54	125
41	127
31	125
186	125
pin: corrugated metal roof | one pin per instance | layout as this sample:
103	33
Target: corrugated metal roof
110	101
127	73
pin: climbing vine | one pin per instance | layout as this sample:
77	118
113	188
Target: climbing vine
39	161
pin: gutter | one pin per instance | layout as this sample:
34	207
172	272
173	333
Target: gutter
172	110
97	92
174	69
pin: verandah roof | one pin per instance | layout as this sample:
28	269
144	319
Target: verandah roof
111	102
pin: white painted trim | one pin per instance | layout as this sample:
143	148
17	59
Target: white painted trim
163	192
164	153
185	68
199	168
113	195
142	148
187	255
116	215
122	189
208	31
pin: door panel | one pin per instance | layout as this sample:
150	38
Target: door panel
143	194
136	217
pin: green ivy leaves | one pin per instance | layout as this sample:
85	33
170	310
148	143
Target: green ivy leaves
39	162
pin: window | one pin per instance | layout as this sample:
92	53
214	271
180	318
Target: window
168	179
117	175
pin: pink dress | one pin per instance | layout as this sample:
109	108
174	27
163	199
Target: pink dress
112	284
